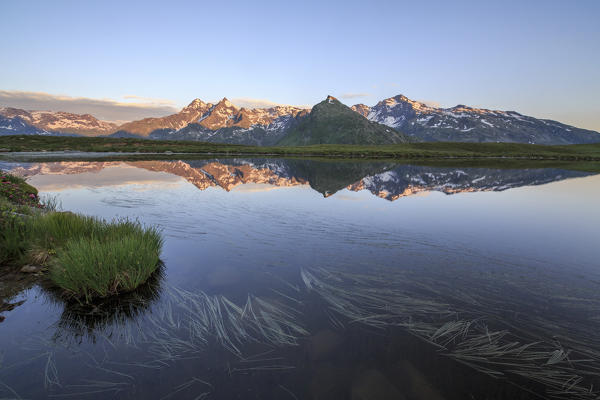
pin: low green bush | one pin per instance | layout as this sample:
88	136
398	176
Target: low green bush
17	191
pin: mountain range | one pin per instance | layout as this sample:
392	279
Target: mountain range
394	120
467	124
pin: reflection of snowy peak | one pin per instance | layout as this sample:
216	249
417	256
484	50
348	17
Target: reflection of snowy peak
202	174
467	124
225	175
382	179
409	180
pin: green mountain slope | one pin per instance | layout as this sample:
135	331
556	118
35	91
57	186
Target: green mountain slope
331	122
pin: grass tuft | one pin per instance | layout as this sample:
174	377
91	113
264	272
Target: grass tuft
91	257
92	267
13	231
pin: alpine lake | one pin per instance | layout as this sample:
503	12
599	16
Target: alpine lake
320	279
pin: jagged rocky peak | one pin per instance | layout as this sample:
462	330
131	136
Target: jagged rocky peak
197	104
396	99
402	100
223	114
226	103
330	99
362	109
461	108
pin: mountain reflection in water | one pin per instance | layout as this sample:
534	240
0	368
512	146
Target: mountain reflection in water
277	294
385	180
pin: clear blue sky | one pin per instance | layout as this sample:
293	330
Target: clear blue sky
541	58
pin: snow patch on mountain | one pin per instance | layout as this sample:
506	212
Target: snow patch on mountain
464	123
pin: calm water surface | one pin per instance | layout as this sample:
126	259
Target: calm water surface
294	279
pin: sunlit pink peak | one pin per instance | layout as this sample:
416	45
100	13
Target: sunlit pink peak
196	103
225	102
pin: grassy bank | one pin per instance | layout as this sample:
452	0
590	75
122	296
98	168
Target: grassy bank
587	152
85	257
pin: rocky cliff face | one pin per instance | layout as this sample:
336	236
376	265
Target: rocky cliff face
468	124
221	122
189	114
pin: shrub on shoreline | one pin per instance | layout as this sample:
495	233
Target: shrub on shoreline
17	191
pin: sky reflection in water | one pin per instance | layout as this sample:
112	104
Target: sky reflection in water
315	256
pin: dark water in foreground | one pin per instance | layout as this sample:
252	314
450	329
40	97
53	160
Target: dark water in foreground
293	279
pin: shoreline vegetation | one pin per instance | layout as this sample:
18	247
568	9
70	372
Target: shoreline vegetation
425	150
84	257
